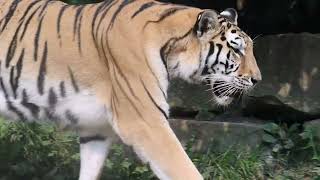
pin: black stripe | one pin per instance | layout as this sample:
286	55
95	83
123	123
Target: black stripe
52	98
95	16
153	101
164	51
166	13
234	49
36	39
34	109
223	21
12	47
42	70
9	103
76	20
154	75
121	6
237	68
193	74
105	11
127	97
169	12
143	7
103	43
176	66
9	14
28	9
18	69
229	54
166	48
59	19
79	34
71	117
73	80
4	89
120	72
217	56
84	140
113	105
27	22
126	80
237	51
233	42
11	80
104	14
211	51
226	66
44	8
62	89
77	26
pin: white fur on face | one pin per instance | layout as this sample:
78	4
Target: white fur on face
226	88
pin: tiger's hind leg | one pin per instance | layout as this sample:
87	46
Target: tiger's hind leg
93	152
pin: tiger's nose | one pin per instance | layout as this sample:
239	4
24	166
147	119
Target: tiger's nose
255	81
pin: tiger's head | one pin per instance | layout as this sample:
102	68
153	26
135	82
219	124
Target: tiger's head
218	53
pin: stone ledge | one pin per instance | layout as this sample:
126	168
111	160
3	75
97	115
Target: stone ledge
222	135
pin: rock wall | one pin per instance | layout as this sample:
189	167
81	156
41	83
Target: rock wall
290	65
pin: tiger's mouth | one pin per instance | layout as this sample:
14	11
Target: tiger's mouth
219	90
225	92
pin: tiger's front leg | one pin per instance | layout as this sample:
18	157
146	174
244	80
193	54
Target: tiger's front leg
156	144
93	152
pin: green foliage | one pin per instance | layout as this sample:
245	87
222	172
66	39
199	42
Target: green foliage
312	142
36	152
228	165
119	166
281	139
294	155
33	151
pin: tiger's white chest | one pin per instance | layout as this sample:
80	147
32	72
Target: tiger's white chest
58	103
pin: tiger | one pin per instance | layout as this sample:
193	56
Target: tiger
102	71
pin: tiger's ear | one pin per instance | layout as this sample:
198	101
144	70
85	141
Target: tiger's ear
207	24
231	15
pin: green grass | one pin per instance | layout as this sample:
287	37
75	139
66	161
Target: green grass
32	151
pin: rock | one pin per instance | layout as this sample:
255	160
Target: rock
218	135
189	97
290	65
271	108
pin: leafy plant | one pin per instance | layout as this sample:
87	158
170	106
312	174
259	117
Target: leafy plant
310	135
282	139
33	151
